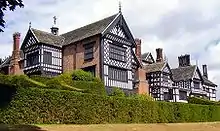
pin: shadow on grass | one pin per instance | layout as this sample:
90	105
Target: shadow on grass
4	127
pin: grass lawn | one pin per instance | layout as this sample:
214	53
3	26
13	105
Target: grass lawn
136	127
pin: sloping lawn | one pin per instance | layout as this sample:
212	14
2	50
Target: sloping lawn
136	127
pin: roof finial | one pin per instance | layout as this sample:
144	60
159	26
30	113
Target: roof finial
29	25
54	20
119	6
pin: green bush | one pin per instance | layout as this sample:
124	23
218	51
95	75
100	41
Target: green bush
81	75
48	106
142	97
91	87
41	79
20	81
117	92
202	101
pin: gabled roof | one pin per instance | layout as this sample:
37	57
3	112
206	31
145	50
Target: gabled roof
183	73
154	67
88	30
208	82
6	62
47	38
145	57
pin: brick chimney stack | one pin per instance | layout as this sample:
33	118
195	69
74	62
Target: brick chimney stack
159	52
14	64
205	72
138	49
184	60
16	38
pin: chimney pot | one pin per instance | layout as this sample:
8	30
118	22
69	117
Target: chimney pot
184	60
159	52
138	49
16	38
205	71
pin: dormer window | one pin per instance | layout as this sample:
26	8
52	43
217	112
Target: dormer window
88	53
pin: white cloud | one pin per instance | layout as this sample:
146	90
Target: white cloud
178	26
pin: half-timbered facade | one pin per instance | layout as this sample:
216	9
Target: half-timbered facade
159	77
208	85
107	49
118	57
42	55
147	58
190	81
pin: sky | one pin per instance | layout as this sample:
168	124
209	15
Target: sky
178	26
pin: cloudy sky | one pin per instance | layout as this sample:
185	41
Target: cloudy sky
178	26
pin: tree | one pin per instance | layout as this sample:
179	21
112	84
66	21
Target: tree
8	4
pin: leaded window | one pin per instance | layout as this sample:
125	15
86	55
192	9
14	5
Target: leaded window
32	59
88	53
118	74
47	57
117	52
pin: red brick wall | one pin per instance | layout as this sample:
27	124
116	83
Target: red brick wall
73	55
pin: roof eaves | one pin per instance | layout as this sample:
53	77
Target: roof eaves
111	23
34	34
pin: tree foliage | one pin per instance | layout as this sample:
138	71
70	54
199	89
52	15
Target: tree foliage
5	5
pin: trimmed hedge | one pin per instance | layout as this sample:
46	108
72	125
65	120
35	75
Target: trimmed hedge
61	82
20	81
202	101
47	106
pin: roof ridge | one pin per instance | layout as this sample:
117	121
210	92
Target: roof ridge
89	24
46	32
41	31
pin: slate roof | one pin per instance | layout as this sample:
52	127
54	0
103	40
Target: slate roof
88	30
183	73
75	35
208	82
48	38
154	67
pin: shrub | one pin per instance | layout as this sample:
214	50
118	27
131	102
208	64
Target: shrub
20	81
81	75
91	87
41	79
202	101
117	92
142	97
47	106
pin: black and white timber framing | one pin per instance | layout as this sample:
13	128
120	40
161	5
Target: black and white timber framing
160	81
40	58
118	56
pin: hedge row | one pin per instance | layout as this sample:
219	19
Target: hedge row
47	106
202	101
62	82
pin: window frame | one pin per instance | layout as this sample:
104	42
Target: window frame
117	52
32	59
117	74
47	57
88	51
